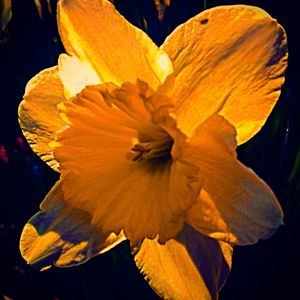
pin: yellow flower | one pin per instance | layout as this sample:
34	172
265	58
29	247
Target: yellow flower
145	137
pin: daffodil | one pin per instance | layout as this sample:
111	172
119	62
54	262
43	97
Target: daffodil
145	138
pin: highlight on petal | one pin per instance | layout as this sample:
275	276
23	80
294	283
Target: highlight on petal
38	115
108	126
190	266
228	60
234	205
119	52
62	235
75	75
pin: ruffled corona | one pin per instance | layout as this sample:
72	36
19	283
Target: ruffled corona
117	137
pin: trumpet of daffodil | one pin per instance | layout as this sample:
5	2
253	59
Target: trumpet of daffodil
145	138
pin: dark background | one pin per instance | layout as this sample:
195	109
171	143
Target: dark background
267	270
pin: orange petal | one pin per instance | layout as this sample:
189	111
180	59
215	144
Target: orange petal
235	205
38	115
228	60
192	266
143	198
75	75
119	52
62	235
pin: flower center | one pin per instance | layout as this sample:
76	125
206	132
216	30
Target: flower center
153	149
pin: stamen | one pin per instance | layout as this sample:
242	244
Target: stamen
149	150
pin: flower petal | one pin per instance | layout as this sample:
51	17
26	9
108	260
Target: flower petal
62	235
120	193
119	52
192	266
75	75
235	205
38	115
228	60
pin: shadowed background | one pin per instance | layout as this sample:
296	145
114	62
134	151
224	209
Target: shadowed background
29	42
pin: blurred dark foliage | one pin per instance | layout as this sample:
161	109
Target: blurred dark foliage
267	270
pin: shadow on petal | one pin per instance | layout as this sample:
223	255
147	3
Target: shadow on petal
62	235
212	258
192	266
